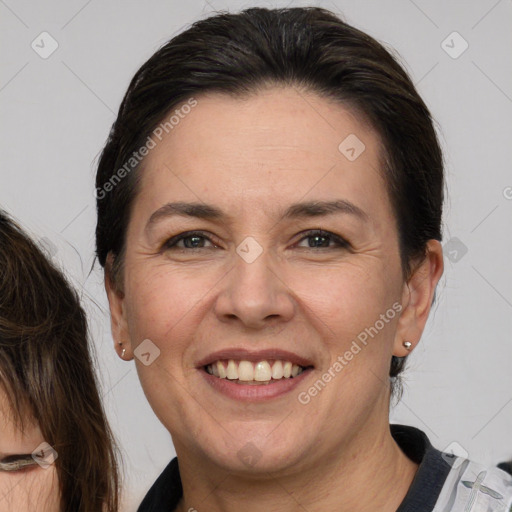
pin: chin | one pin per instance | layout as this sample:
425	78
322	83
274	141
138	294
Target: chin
256	454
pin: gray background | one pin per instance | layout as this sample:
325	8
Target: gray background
56	114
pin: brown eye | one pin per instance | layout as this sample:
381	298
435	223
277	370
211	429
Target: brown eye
191	240
322	239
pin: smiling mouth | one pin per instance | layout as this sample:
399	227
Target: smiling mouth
263	372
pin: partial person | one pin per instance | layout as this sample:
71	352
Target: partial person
57	452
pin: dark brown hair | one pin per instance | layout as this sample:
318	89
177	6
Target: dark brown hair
309	48
47	373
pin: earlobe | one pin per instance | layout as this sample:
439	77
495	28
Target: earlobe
417	297
122	352
118	324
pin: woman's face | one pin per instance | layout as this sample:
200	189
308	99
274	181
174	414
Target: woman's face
267	278
34	487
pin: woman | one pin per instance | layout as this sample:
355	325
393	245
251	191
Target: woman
269	219
56	448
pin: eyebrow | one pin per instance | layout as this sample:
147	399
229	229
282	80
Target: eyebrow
297	210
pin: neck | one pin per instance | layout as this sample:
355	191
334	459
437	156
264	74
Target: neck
369	473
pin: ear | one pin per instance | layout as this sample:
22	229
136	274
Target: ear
118	323
417	296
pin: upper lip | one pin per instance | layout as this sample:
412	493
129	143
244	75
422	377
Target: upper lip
254	356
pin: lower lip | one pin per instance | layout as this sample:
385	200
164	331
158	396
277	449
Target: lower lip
255	392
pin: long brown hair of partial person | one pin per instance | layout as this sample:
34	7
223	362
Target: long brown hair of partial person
47	372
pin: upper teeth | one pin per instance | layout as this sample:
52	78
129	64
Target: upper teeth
248	371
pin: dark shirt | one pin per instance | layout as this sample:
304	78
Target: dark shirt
433	469
506	466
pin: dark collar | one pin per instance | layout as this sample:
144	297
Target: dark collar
167	491
432	471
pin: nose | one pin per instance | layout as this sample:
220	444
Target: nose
255	293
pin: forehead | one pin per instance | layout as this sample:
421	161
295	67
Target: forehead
281	141
15	438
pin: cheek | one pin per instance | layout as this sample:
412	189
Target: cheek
348	299
166	304
354	309
159	299
32	489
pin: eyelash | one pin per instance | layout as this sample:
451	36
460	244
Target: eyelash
172	242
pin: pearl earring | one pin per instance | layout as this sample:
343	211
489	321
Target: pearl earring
407	345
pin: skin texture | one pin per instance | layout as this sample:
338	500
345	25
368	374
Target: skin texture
252	158
33	488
